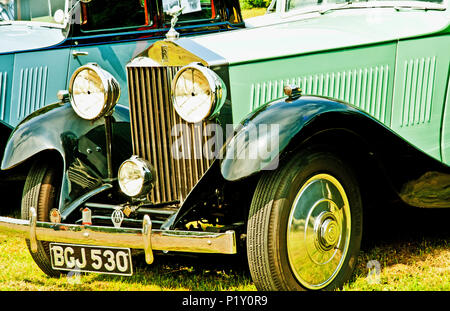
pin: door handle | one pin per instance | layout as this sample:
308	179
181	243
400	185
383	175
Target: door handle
79	53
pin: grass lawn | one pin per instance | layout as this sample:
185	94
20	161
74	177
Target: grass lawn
413	255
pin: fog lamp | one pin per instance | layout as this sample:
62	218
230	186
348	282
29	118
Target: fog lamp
136	177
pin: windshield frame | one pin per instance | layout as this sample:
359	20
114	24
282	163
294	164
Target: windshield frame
67	19
361	5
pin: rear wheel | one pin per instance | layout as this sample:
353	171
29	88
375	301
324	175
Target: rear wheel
305	224
41	192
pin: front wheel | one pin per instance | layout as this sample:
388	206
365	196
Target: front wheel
305	224
41	192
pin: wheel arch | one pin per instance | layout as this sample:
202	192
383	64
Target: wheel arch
5	132
355	151
310	126
13	180
380	156
80	145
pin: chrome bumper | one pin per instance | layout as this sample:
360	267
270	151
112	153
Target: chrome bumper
145	238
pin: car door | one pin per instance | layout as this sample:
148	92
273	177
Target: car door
421	78
445	142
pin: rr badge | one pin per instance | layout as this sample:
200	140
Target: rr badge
164	54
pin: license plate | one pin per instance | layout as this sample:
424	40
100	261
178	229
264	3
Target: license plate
86	258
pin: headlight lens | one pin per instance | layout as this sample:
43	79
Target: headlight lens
94	92
197	92
136	177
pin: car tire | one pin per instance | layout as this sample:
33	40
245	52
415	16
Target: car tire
40	192
305	224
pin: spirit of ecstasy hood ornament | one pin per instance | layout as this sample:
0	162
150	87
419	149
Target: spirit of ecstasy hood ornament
172	34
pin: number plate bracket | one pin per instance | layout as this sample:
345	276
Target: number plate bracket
147	236
33	239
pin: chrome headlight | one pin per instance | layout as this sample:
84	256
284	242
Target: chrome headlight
94	92
197	92
136	177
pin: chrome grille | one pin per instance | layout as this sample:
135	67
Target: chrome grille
152	121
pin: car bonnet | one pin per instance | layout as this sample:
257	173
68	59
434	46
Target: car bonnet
335	30
23	37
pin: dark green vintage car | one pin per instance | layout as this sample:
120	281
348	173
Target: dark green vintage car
268	142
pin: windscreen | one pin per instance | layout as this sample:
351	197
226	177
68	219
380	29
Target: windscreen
192	10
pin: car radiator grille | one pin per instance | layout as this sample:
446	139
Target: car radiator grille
152	121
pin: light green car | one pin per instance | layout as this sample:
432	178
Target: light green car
269	142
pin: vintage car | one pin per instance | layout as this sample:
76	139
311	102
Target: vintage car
44	41
268	142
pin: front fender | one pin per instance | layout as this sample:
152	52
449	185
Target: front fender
259	141
264	135
81	144
417	178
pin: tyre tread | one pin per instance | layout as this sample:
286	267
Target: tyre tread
34	195
267	265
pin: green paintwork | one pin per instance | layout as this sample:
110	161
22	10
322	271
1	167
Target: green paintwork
445	140
334	30
393	65
421	79
363	77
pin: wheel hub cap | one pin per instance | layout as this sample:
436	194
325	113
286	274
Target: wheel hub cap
318	231
327	231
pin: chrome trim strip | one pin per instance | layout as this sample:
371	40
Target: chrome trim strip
165	240
141	210
129	220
